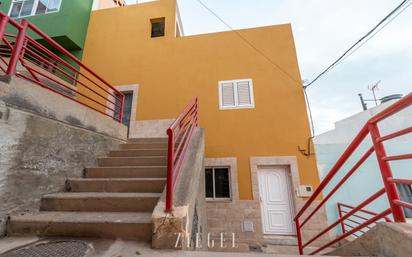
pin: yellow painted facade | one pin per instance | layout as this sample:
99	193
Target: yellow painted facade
172	70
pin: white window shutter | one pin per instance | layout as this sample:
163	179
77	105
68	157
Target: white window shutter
228	95
244	93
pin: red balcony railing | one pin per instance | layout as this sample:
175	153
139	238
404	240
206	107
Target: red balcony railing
351	222
180	134
46	63
390	189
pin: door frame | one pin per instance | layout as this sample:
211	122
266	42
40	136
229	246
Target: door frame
291	165
289	188
134	89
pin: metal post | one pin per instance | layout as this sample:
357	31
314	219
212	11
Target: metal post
386	172
170	167
299	236
18	48
342	223
3	25
121	108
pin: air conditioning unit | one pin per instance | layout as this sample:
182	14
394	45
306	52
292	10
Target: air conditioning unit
304	191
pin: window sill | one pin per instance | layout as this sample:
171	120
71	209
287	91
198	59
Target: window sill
218	200
237	107
33	15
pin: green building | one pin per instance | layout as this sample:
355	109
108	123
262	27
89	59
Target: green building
66	21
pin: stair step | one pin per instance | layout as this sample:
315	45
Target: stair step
132	161
104	202
127	172
139	152
120	185
134	226
129	146
147	140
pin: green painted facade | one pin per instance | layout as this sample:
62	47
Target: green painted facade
68	26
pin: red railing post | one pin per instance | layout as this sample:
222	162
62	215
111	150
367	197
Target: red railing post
3	25
18	48
299	236
386	172
340	217
121	108
170	167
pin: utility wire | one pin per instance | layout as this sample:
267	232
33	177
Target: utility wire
250	43
351	50
384	26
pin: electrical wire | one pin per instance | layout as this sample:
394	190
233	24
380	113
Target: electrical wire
250	43
384	26
367	36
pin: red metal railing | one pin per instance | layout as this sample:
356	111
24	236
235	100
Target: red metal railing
180	134
390	190
46	63
350	222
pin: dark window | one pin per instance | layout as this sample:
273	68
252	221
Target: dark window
217	183
158	27
127	108
405	193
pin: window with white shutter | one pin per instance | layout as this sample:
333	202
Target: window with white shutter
236	94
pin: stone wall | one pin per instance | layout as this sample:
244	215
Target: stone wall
37	154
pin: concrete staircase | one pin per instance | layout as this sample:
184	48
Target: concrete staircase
114	200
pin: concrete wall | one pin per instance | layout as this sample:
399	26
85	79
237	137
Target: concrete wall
189	205
386	239
367	180
172	70
38	154
33	98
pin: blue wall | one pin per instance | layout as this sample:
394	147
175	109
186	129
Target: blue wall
367	180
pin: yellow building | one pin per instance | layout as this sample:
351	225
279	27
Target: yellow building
251	105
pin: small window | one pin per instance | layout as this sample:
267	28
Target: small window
158	27
236	94
217	184
23	8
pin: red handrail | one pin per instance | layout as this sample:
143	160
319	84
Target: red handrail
396	205
53	68
179	136
343	209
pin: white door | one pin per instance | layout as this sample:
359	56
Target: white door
276	201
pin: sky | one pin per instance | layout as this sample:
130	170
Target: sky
323	30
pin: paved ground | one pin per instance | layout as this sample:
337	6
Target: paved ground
120	248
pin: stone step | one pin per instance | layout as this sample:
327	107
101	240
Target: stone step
132	161
136	153
134	226
100	202
127	172
147	140
119	185
131	146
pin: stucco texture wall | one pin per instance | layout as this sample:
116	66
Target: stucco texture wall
172	70
38	154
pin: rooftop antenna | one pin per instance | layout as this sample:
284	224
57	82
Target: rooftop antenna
374	88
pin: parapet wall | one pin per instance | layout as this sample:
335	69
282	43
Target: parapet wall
188	222
30	97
